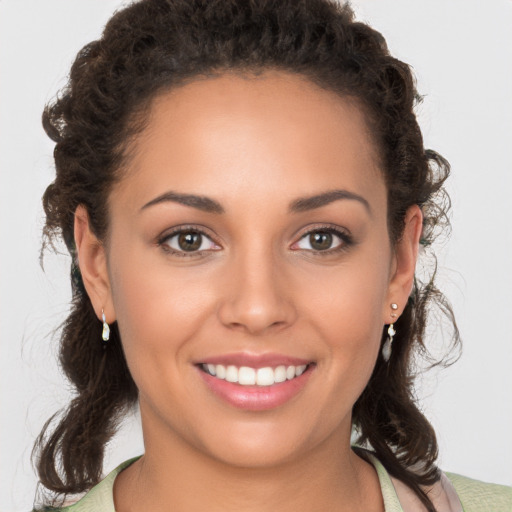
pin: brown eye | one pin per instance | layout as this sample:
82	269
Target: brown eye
189	241
320	240
323	240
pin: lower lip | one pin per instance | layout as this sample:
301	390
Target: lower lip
257	398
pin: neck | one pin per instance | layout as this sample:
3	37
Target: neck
330	477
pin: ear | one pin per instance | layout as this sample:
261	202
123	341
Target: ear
404	264
92	261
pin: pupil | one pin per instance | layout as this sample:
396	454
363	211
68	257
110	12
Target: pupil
321	240
189	241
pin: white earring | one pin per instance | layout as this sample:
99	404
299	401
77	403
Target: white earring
105	334
387	347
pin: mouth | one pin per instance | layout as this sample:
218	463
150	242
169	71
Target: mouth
258	383
248	376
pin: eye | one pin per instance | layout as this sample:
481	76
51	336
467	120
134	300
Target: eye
323	240
188	241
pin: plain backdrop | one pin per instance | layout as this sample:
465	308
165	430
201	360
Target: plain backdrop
461	52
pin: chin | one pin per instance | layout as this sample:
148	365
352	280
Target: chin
266	441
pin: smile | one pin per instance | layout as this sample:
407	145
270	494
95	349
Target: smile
247	376
256	383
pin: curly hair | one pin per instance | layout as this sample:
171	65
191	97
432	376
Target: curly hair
154	45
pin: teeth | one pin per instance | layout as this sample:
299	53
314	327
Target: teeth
220	371
232	374
280	374
246	376
300	370
265	377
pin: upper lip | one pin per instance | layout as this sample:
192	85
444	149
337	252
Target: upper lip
255	360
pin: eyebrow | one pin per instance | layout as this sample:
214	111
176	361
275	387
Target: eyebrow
299	205
200	202
304	204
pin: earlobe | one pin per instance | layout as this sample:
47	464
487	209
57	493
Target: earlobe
92	262
406	255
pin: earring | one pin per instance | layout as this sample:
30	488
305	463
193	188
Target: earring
386	348
105	335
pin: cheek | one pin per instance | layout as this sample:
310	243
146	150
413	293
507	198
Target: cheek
348	299
344	306
158	308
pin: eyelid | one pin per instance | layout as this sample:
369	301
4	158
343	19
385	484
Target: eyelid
342	233
186	228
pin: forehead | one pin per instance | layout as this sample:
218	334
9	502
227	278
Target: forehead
272	134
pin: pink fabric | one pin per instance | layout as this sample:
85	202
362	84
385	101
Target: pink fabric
442	493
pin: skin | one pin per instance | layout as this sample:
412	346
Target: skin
254	145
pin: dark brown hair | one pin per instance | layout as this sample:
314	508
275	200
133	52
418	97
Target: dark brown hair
154	45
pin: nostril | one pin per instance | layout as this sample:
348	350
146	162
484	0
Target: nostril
256	319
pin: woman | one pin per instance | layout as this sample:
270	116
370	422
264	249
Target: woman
243	189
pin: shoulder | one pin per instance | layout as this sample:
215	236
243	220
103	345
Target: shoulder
451	493
100	498
477	496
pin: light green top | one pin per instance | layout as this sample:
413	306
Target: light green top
474	495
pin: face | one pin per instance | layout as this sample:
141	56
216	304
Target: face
249	240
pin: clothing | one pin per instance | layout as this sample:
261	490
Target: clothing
474	496
469	495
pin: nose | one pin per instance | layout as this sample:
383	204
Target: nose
257	296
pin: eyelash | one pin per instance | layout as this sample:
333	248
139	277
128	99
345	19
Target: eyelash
345	238
162	241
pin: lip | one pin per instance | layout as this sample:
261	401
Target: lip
254	360
257	398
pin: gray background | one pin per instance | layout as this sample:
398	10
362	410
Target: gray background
462	54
